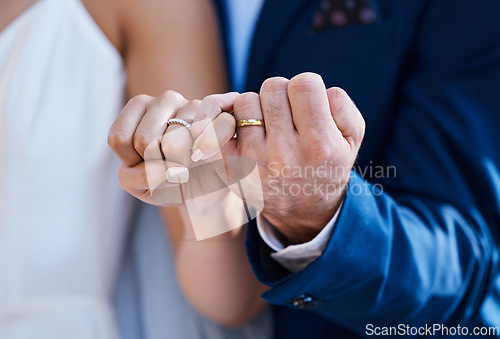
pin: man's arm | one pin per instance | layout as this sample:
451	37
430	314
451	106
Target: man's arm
423	250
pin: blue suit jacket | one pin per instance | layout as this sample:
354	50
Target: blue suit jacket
426	77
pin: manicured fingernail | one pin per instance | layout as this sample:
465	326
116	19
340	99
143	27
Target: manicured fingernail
197	155
177	175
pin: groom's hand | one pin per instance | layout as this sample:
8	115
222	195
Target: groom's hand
305	151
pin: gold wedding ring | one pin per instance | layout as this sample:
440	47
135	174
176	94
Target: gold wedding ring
249	122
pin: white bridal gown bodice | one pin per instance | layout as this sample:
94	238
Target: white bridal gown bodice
63	216
62	213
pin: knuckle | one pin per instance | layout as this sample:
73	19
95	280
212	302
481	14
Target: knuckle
117	140
142	142
339	92
305	83
246	100
192	109
275	101
169	97
188	111
194	104
141	99
211	99
208	108
275	84
211	104
341	98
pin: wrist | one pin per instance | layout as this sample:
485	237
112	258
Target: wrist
294	234
210	220
298	228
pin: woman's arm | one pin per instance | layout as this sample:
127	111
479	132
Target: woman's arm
214	273
174	44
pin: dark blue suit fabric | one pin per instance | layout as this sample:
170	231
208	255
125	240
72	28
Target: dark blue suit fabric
417	244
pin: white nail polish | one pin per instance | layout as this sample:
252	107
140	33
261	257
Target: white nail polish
197	155
177	175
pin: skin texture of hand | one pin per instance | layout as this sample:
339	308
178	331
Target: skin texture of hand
149	150
140	138
311	139
157	158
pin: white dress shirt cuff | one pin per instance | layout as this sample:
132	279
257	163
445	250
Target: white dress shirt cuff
295	257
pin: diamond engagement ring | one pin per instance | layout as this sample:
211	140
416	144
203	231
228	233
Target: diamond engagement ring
177	121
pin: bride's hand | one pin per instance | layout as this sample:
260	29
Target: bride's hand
157	166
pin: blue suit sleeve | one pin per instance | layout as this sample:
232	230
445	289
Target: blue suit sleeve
419	246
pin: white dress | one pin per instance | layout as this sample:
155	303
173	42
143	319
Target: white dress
62	213
64	221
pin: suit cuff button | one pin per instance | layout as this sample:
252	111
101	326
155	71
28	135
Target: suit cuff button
304	302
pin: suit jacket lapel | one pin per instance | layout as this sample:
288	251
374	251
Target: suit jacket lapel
275	20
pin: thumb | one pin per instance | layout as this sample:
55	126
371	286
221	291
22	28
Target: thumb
346	115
